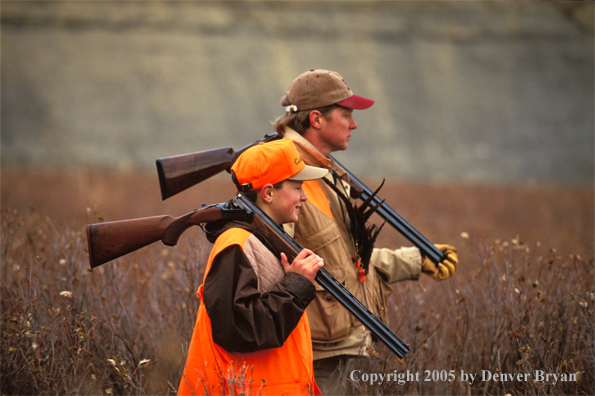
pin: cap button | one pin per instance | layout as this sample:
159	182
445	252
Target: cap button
311	69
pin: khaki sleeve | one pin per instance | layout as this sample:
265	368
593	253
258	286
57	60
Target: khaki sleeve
401	264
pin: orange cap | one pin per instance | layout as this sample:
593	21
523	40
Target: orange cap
271	163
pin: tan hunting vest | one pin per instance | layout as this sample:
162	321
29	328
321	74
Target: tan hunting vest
323	228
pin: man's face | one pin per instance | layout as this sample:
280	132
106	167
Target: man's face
287	201
335	132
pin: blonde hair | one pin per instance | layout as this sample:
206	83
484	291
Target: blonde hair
300	120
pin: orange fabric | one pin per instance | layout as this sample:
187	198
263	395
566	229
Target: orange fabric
287	370
266	163
317	197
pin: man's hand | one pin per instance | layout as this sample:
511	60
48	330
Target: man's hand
444	269
306	263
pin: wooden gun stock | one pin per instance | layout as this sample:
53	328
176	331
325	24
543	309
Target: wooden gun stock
179	172
110	240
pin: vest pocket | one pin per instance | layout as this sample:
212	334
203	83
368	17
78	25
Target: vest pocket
334	323
329	321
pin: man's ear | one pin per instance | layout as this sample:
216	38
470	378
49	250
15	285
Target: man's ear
266	193
315	118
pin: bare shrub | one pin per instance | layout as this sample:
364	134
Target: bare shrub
517	313
116	329
124	327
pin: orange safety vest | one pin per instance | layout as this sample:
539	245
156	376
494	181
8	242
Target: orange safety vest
210	369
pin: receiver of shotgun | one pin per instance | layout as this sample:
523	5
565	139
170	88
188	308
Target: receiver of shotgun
110	240
180	172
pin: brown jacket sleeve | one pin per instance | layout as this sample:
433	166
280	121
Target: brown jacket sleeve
242	319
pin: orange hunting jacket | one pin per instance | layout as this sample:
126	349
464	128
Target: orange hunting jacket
251	321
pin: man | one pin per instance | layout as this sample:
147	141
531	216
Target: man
251	328
319	119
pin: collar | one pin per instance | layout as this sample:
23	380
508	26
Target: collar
311	155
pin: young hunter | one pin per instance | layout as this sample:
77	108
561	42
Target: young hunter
253	301
319	119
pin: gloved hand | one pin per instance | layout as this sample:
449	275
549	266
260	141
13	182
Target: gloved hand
444	269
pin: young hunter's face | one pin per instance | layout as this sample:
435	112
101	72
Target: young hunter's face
335	132
287	201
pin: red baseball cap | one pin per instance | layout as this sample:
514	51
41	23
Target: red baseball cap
318	88
270	163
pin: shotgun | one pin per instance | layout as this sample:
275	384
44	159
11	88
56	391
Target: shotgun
281	241
110	240
180	172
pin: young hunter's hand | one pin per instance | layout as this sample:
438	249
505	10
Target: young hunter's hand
446	268
306	263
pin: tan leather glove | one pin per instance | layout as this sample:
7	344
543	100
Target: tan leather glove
446	268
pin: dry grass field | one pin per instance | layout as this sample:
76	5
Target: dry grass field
521	301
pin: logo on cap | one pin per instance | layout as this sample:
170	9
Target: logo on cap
344	82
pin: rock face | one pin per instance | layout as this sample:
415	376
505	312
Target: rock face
494	92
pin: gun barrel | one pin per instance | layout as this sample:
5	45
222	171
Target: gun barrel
361	312
326	280
397	222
